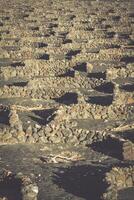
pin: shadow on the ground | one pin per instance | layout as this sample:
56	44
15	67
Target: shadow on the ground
110	147
43	116
82	181
101	100
10	188
4	117
105	88
68	98
97	75
128	87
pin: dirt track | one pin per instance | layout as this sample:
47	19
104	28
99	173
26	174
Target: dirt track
66	100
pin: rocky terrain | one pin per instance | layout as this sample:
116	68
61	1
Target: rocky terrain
66	100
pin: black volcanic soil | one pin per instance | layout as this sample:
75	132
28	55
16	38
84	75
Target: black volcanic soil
66	100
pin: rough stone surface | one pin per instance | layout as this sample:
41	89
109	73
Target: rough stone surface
66	99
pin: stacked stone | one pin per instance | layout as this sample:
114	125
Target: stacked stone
117	179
